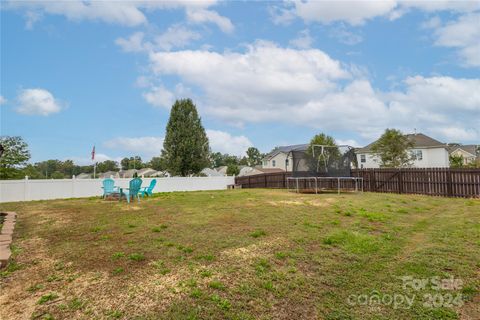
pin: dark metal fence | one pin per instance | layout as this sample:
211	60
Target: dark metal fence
444	182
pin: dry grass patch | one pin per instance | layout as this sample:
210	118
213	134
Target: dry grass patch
241	254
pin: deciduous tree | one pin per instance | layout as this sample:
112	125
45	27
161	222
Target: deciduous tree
392	149
15	156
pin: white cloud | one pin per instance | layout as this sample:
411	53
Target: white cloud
159	96
31	17
455	134
2	100
441	94
348	142
303	41
224	142
134	43
37	102
144	146
263	68
267	83
441	5
203	16
431	23
147	147
176	36
127	13
352	12
358	12
281	15
463	34
345	36
445	106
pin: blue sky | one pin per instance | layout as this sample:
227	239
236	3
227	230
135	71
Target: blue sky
80	73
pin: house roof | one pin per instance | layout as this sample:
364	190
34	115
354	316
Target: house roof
108	174
146	172
470	148
127	173
83	176
211	172
419	141
249	171
287	149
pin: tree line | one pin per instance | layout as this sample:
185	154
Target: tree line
185	152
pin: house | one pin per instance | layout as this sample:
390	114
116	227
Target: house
109	174
222	170
146	172
467	152
281	157
426	153
209	172
83	176
127	173
250	171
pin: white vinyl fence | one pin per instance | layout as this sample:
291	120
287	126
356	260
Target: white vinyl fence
26	190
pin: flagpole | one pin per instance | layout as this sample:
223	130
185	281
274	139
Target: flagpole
94	163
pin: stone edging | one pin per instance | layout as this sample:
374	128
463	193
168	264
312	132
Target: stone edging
6	237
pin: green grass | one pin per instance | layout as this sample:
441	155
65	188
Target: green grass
242	254
48	297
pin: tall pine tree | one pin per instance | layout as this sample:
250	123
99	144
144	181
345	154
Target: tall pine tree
185	149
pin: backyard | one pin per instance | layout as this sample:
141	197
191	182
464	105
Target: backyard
244	254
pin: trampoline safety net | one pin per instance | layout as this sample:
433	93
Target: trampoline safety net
323	161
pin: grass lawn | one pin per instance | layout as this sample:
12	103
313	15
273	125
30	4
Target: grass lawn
243	254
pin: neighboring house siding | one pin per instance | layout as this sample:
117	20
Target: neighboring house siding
279	161
435	158
368	160
430	158
467	157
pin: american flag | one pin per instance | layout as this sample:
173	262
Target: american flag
93	153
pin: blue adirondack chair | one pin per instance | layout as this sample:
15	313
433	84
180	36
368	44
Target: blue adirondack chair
132	190
148	191
109	188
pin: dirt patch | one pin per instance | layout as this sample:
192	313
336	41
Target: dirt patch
323	202
131	208
254	250
286	202
16	301
471	309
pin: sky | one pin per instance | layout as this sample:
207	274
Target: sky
80	73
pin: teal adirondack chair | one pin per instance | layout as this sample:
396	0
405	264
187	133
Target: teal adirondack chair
148	191
132	190
109	188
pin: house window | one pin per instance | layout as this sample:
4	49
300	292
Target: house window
274	163
265	163
417	155
363	158
286	162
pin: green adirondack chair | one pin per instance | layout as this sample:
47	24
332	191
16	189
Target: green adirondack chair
132	191
148	191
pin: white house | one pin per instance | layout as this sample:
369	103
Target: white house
281	157
467	152
426	153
